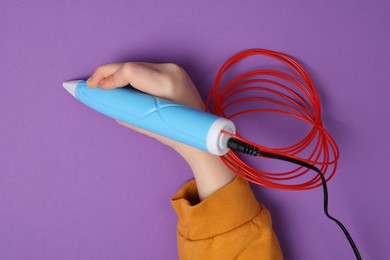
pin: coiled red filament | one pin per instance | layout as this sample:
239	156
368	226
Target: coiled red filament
294	94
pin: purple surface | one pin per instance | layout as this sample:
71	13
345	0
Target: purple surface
73	185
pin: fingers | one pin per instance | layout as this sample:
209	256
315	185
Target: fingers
155	79
162	80
143	76
146	77
116	80
139	75
101	73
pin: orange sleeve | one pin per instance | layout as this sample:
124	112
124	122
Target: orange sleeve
229	224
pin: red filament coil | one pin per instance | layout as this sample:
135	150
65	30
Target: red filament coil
295	96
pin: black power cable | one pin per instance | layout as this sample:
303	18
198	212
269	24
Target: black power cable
239	146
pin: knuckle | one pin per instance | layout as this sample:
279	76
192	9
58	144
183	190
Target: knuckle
173	76
129	69
174	68
99	70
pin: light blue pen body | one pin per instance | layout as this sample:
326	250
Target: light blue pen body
184	124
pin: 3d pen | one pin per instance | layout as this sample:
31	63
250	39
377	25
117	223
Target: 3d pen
186	125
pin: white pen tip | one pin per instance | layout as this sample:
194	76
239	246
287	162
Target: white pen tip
70	86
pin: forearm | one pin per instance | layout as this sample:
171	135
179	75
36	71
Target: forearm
209	171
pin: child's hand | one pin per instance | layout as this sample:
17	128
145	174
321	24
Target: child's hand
171	82
167	81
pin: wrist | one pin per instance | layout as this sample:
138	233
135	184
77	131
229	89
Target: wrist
209	171
191	154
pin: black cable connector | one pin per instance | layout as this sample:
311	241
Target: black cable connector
240	146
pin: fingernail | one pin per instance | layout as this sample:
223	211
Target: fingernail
88	82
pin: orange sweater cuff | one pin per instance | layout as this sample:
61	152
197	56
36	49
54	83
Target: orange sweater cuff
228	208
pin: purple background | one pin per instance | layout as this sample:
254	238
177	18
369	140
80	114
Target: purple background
72	183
